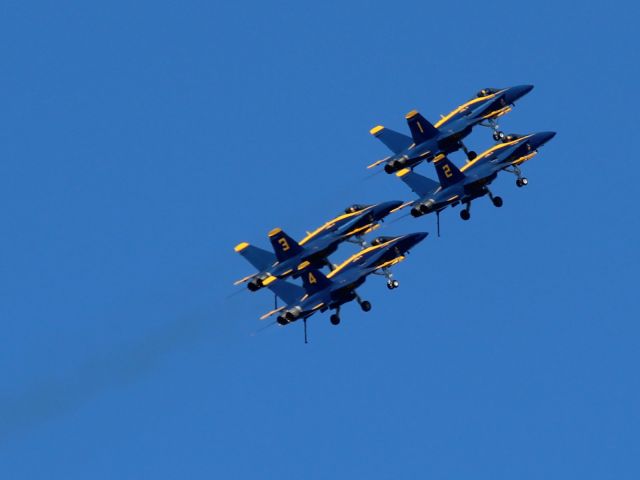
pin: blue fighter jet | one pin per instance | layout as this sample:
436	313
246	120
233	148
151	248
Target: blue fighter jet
427	141
292	258
329	292
472	181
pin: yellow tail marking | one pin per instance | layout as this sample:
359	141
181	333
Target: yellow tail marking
241	246
375	130
411	114
275	231
304	265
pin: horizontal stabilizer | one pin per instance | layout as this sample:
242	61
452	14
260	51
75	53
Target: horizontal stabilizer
421	185
421	129
284	246
289	293
259	258
395	141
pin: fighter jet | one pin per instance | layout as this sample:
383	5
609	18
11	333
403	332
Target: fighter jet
427	141
291	258
329	292
472	180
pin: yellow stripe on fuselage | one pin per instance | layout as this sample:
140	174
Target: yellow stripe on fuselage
488	152
329	224
357	256
447	117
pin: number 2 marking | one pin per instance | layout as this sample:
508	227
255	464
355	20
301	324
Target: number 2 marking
447	171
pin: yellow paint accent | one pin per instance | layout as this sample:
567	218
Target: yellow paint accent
447	171
359	255
464	106
452	198
358	230
524	159
304	265
320	305
403	172
420	127
489	151
411	114
284	244
330	224
392	262
268	314
498	113
269	280
275	231
241	246
439	157
312	278
242	280
378	162
406	204
373	227
284	274
375	130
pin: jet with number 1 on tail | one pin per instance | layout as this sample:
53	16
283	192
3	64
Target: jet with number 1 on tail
428	140
462	185
291	258
329	292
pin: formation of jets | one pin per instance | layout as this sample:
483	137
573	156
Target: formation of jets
432	143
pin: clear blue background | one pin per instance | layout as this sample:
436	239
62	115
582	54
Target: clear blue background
140	141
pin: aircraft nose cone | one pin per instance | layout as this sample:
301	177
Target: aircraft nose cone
418	237
542	138
517	92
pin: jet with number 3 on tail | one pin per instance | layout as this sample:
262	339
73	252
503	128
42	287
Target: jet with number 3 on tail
329	292
292	258
427	140
462	185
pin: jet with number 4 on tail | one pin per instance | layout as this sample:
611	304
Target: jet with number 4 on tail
427	140
292	258
329	292
462	185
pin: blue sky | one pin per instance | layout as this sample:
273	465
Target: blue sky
141	141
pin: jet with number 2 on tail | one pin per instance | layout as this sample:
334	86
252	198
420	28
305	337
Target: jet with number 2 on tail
291	258
329	292
472	180
427	141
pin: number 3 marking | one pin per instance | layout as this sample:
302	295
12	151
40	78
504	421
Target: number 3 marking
283	243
